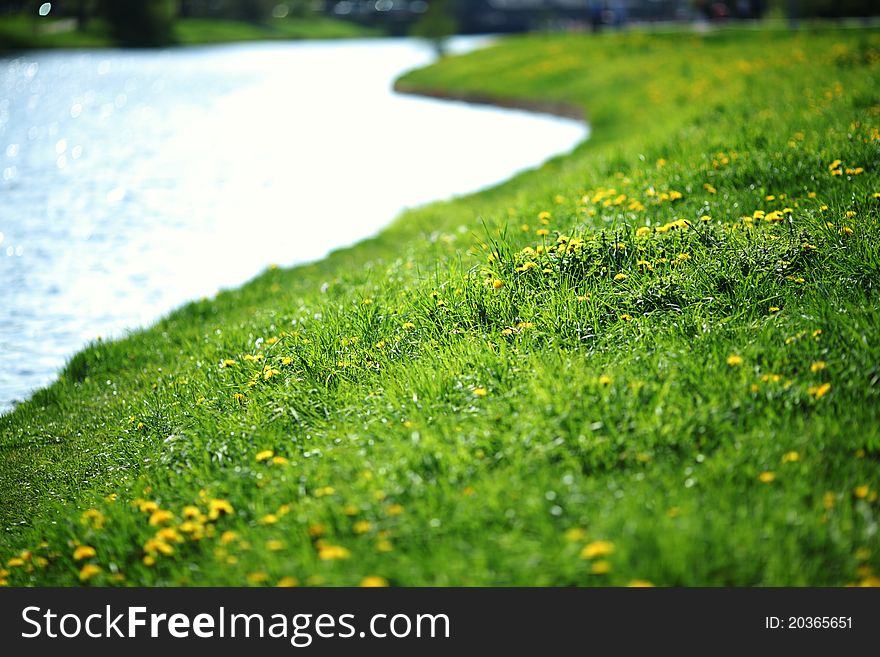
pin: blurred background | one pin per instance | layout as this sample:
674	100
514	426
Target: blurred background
164	22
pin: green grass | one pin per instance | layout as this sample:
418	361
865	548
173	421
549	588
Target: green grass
22	32
635	394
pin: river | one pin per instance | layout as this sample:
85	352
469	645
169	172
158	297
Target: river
133	181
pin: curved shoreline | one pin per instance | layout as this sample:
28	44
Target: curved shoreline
554	108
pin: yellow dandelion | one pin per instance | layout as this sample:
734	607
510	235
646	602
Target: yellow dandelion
819	391
333	552
597	549
620	277
160	516
287	582
828	500
600	567
258	577
269	519
575	534
480	392
146	506
734	360
817	366
279	460
861	491
274	545
217	508
374	582
83	552
766	477
362	527
640	584
88	572
791	457
394	510
265	455
604	380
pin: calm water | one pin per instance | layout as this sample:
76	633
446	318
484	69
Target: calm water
131	182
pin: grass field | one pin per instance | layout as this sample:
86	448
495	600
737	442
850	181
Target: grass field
652	361
19	32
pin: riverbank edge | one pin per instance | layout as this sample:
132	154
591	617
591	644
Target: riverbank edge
554	108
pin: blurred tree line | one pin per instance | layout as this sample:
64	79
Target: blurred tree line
143	23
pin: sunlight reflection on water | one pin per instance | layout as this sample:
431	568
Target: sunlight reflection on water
131	182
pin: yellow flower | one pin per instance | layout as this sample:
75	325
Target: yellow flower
374	582
497	283
408	326
332	552
227	537
604	380
480	392
88	571
264	455
542	232
287	582
157	545
280	460
83	552
384	545
642	231
861	491
600	567
818	365
169	534
734	360
228	362
93	517
640	584
269	519
362	527
766	477
620	277
790	457
191	511
324	491
773	309
597	549
217	508
828	500
160	516
575	534
146	506
819	391
274	545
257	577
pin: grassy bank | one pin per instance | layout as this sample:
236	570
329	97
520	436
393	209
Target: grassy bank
653	360
24	32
